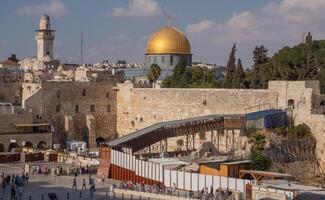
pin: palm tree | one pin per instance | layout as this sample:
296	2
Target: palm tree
153	74
258	142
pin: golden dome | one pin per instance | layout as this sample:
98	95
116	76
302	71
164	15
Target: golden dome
168	40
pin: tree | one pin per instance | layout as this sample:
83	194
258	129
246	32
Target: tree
13	57
153	74
260	55
300	131
258	142
230	68
259	162
239	75
178	78
309	68
121	62
260	58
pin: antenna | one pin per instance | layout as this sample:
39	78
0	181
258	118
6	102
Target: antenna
81	48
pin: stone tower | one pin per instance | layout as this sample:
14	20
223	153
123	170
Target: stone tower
44	37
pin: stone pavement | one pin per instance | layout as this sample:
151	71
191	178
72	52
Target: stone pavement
41	185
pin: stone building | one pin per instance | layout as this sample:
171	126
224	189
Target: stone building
82	111
17	130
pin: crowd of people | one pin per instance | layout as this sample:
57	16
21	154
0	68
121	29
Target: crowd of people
60	170
15	183
91	183
205	193
218	194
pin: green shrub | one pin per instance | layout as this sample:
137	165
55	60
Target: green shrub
300	131
259	162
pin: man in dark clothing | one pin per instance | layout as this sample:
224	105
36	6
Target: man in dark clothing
84	184
4	184
74	184
12	193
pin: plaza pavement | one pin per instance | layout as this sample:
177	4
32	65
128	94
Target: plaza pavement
61	185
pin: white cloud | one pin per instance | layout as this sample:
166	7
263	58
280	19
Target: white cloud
277	24
54	8
137	8
202	26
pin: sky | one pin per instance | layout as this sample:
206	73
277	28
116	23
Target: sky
119	29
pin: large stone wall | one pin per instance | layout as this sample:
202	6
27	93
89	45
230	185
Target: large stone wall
8	121
56	102
10	93
138	108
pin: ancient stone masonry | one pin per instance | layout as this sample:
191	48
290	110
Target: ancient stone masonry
138	108
296	157
77	110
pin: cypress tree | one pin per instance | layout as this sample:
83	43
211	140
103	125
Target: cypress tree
239	75
230	68
309	67
259	58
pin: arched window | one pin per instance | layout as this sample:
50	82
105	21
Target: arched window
2	148
13	146
291	104
41	145
100	141
84	92
28	144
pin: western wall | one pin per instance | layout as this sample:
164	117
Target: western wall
138	108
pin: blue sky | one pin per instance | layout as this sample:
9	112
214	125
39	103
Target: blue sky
119	29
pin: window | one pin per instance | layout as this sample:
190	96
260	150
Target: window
108	108
76	108
92	108
58	108
58	94
171	60
162	59
155	60
107	94
84	92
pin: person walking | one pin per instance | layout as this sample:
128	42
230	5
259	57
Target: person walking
12	193
84	184
93	185
74	183
3	184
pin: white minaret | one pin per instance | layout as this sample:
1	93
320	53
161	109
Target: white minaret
44	37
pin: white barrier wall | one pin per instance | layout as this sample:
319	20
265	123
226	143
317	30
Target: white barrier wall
182	180
196	182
